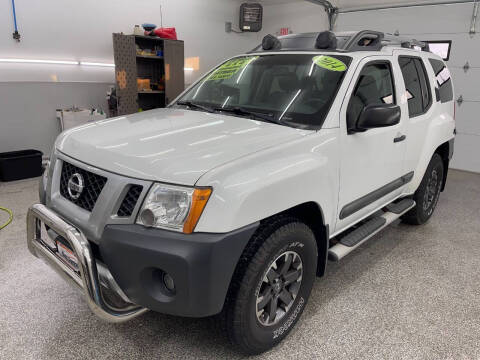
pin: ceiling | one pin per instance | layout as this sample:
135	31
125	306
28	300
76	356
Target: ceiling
346	4
349	4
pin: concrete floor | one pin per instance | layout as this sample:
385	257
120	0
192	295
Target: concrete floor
409	293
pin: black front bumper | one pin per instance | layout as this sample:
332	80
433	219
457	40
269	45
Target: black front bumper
201	265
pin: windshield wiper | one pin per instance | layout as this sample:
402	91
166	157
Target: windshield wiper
242	111
195	105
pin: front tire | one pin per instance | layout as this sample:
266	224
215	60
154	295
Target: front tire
271	285
427	193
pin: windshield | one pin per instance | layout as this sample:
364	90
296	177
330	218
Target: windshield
293	89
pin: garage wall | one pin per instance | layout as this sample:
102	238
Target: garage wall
298	16
440	22
30	126
82	31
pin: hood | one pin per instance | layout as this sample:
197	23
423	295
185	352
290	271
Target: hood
170	145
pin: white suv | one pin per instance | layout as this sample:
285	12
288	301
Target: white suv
231	200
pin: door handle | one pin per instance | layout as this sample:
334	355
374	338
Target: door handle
399	138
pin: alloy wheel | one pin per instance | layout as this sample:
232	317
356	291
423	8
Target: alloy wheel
431	190
278	288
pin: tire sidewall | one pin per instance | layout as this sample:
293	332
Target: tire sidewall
305	246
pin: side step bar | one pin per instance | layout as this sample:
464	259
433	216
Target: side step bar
361	234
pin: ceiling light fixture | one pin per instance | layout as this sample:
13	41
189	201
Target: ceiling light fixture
39	61
66	62
96	64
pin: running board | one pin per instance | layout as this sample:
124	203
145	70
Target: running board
361	234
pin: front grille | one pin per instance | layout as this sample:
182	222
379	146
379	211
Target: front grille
130	200
93	186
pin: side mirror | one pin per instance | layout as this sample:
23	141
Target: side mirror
378	115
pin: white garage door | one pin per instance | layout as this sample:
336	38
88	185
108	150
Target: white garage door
440	22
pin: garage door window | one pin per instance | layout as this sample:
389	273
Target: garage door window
444	80
416	84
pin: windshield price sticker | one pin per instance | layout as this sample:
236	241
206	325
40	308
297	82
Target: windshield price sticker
329	63
230	68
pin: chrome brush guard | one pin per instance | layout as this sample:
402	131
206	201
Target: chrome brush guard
92	275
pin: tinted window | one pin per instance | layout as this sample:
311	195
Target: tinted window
374	86
417	86
294	89
444	80
424	84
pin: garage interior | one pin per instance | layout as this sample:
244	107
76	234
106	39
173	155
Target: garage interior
409	293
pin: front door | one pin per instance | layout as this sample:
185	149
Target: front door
372	161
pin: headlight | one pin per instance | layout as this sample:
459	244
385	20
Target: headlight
173	207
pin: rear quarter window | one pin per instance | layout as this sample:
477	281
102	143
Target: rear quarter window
443	80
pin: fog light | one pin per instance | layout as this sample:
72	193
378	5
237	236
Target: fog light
147	217
168	281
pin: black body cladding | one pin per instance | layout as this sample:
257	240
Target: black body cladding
366	200
200	264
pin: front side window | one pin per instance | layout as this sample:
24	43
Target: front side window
292	89
374	86
416	84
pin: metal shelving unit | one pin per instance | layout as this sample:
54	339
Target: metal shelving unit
165	73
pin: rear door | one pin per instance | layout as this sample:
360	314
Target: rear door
372	162
417	91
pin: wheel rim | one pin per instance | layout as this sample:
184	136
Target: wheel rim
279	288
431	190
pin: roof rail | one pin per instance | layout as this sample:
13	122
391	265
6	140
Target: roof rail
405	42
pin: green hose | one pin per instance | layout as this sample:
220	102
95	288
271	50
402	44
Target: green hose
10	213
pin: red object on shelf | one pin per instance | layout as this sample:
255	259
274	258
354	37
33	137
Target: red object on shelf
166	33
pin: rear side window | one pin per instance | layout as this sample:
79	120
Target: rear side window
444	80
374	86
417	86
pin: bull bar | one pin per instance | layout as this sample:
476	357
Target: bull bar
91	275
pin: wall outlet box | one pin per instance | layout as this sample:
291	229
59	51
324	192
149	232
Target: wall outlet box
228	27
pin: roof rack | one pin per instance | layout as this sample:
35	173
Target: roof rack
365	40
375	41
405	42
